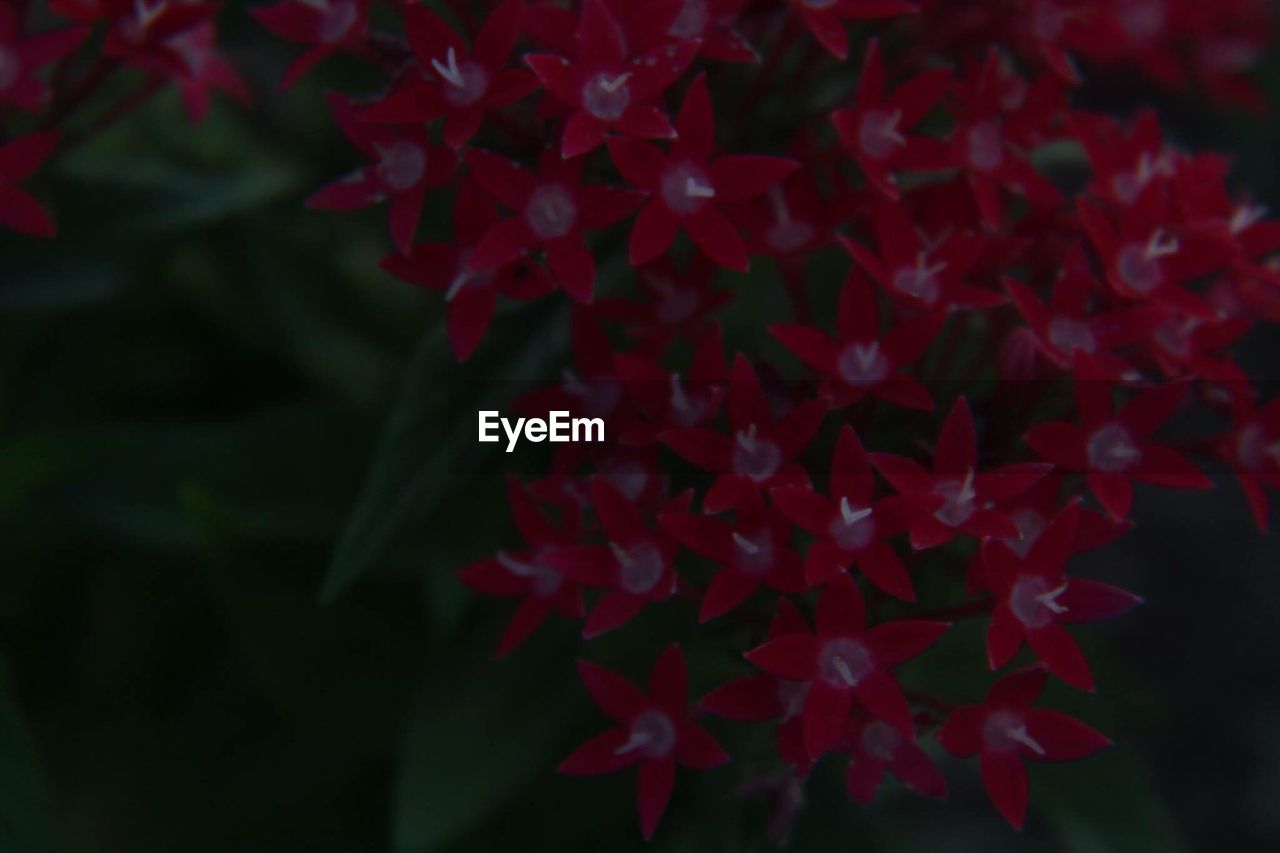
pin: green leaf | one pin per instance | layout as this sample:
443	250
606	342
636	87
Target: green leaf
25	806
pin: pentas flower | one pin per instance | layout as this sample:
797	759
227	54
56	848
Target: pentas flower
1251	447
679	302
405	166
671	400
528	574
713	23
919	271
986	145
758	453
636	567
607	89
970	500
689	187
191	59
458	84
875	130
1146	258
846	662
1185	345
326	25
469	294
792	220
139	28
864	361
1070	323
1006	731
1113	448
762	697
553	212
826	18
751	551
18	160
655	731
876	748
1035	598
851	527
23	56
1124	161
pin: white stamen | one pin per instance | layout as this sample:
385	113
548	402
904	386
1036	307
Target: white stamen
745	544
1020	735
636	741
459	281
843	668
450	71
1246	216
1161	245
148	14
747	438
573	385
679	400
694	189
1050	599
850	516
612	86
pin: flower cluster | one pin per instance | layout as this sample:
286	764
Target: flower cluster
1057	284
56	58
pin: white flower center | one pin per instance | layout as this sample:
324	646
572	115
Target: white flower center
791	695
844	661
1144	21
986	147
402	164
551	211
1111	449
607	96
878	133
957	501
1030	523
545	580
1139	265
863	365
1006	731
692	20
854	528
651	733
920	281
639	568
755	457
1034	602
1068	334
686	189
880	740
753	555
464	84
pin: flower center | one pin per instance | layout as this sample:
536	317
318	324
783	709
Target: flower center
9	68
957	501
855	527
1111	449
639	567
543	580
863	365
1139	265
920	281
878	133
986	147
1034	602
844	661
1030	524
791	696
1047	20
1068	334
551	211
607	96
402	165
336	18
599	397
880	740
691	21
464	84
1006	731
753	554
651	733
685	410
1143	20
686	189
818	4
755	457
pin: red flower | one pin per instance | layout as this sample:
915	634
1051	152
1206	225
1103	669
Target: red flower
759	453
18	159
863	361
654	731
752	550
917	270
845	660
1007	731
405	166
1113	448
876	747
470	294
761	697
1252	448
462	85
327	25
689	187
874	129
825	18
21	57
553	212
669	400
850	526
637	567
1034	599
605	88
714	23
954	497
529	574
192	60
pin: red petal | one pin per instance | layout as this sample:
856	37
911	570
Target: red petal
497	38
696	122
705	448
742	177
957	449
1061	443
1004	637
961	732
24	214
653	233
840	611
573	266
862	779
826	708
802	506
614	611
599	755
895	643
697	749
1019	689
601	42
750	700
1054	645
880	564
506	180
558	75
612	693
828	30
653	791
1005	779
669	681
528	616
1113	491
1093	601
715	235
793	657
582	133
468	319
1063	738
917	772
809	345
882	696
728	589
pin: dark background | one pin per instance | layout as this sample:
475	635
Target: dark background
229	527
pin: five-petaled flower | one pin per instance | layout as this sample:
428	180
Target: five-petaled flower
655	731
